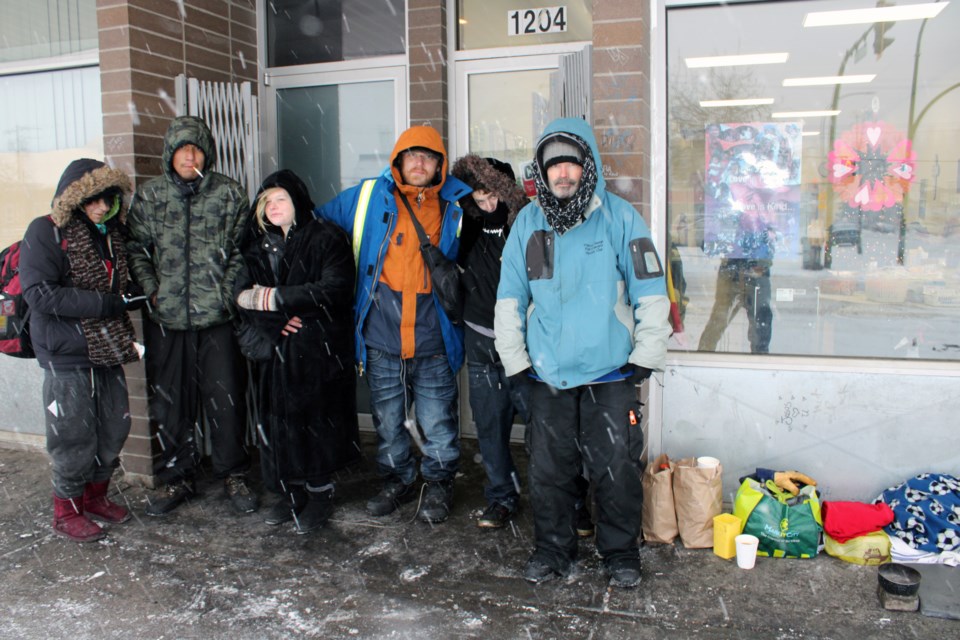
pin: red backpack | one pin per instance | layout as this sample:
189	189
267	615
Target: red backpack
14	315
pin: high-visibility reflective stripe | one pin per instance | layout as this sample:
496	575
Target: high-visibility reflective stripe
360	217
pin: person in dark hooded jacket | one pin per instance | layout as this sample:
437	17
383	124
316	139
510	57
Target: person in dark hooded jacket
489	212
185	226
296	291
76	281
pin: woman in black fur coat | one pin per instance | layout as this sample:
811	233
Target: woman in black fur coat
296	292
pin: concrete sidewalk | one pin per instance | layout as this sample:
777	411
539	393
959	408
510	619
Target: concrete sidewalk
204	572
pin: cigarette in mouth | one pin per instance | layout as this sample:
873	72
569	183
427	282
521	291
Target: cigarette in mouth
198	172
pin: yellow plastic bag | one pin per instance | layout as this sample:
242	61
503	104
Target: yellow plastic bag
871	549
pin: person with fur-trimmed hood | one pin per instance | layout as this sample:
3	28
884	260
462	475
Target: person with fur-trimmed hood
581	320
76	280
489	212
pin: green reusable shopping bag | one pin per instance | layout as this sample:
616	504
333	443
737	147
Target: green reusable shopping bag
787	526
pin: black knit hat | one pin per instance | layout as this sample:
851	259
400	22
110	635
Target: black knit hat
557	149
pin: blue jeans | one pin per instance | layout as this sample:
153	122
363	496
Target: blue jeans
493	402
431	387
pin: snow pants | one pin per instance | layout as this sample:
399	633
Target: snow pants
185	369
87	415
596	427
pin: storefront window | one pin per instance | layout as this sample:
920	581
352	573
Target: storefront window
515	23
45	29
813	198
309	32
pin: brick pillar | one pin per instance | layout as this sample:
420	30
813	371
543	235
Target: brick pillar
621	97
427	50
144	45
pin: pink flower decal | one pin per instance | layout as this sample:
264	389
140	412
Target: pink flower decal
872	166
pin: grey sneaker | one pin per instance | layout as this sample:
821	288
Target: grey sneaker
243	499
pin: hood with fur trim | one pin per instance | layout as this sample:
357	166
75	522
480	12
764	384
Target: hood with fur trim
83	179
488	174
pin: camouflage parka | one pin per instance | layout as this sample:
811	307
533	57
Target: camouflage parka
185	236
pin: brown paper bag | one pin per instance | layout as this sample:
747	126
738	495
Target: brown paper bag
698	496
659	514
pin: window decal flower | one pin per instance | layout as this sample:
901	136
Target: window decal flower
872	166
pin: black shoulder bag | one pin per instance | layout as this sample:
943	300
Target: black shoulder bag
444	273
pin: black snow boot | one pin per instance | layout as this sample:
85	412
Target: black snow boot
288	507
318	510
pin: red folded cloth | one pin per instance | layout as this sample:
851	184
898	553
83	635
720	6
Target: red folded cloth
845	520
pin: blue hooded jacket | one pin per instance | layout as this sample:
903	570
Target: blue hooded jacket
576	307
378	227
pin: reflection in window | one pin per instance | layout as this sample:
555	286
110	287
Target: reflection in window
50	110
309	32
45	29
508	129
47	119
811	206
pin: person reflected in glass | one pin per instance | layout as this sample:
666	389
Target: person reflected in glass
743	279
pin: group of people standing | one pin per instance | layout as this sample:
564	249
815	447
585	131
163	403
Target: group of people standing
564	314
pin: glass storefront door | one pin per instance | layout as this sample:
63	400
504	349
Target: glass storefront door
334	129
502	106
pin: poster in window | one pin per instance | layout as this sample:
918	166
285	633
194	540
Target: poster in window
752	194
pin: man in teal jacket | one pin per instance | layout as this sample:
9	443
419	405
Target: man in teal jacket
581	320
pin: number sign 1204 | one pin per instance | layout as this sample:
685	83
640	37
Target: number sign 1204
522	22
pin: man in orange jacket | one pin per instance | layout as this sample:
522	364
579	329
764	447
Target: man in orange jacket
408	346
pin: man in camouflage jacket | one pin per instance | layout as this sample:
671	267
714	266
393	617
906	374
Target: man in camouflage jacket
185	226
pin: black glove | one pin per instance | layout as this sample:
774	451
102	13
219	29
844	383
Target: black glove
134	296
522	379
113	305
635	374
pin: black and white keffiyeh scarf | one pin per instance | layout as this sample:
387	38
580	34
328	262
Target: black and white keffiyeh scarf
563	215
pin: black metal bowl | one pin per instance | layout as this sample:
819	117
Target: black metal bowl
898	579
